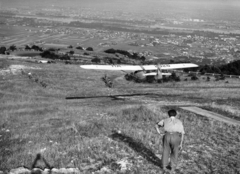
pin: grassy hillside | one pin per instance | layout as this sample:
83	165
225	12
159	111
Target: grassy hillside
111	134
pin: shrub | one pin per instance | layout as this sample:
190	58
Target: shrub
2	50
138	114
96	60
71	52
79	48
194	77
90	129
89	49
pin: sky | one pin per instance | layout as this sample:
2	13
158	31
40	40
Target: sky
112	2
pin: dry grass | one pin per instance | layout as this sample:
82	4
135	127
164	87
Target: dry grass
99	134
3	63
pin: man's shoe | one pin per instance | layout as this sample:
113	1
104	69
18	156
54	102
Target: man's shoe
169	167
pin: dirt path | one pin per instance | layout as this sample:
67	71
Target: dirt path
210	114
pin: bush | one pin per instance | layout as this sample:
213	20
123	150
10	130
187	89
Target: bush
110	51
90	129
177	79
138	114
222	77
27	47
2	50
12	48
36	48
89	49
96	60
150	79
79	48
194	77
71	52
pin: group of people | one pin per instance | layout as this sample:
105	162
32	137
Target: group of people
172	140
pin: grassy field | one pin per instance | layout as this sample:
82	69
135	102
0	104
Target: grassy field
99	132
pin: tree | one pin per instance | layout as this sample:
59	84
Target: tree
12	48
2	50
150	79
96	60
36	48
89	49
27	47
79	48
65	57
143	58
216	70
110	61
222	77
71	52
51	49
110	51
194	77
47	54
135	56
119	61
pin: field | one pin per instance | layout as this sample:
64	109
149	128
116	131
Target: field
20	36
98	131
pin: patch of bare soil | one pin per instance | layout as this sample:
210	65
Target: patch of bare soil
15	69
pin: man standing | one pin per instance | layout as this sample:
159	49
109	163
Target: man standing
172	141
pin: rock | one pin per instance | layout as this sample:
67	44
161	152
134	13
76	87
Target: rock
54	171
20	170
46	171
73	170
104	170
37	171
92	166
65	171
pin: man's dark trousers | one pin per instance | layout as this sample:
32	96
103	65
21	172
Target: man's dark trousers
171	142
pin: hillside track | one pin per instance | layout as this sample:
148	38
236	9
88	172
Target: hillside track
210	114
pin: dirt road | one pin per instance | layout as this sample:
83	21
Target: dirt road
210	114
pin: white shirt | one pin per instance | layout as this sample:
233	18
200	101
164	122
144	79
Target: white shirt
172	124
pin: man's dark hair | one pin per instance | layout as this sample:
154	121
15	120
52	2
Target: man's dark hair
172	113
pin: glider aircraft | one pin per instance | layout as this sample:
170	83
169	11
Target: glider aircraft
141	71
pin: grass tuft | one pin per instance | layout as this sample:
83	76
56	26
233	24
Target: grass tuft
139	114
4	63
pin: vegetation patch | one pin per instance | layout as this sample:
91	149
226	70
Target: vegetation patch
90	129
140	114
7	143
4	63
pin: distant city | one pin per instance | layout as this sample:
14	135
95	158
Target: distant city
161	35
